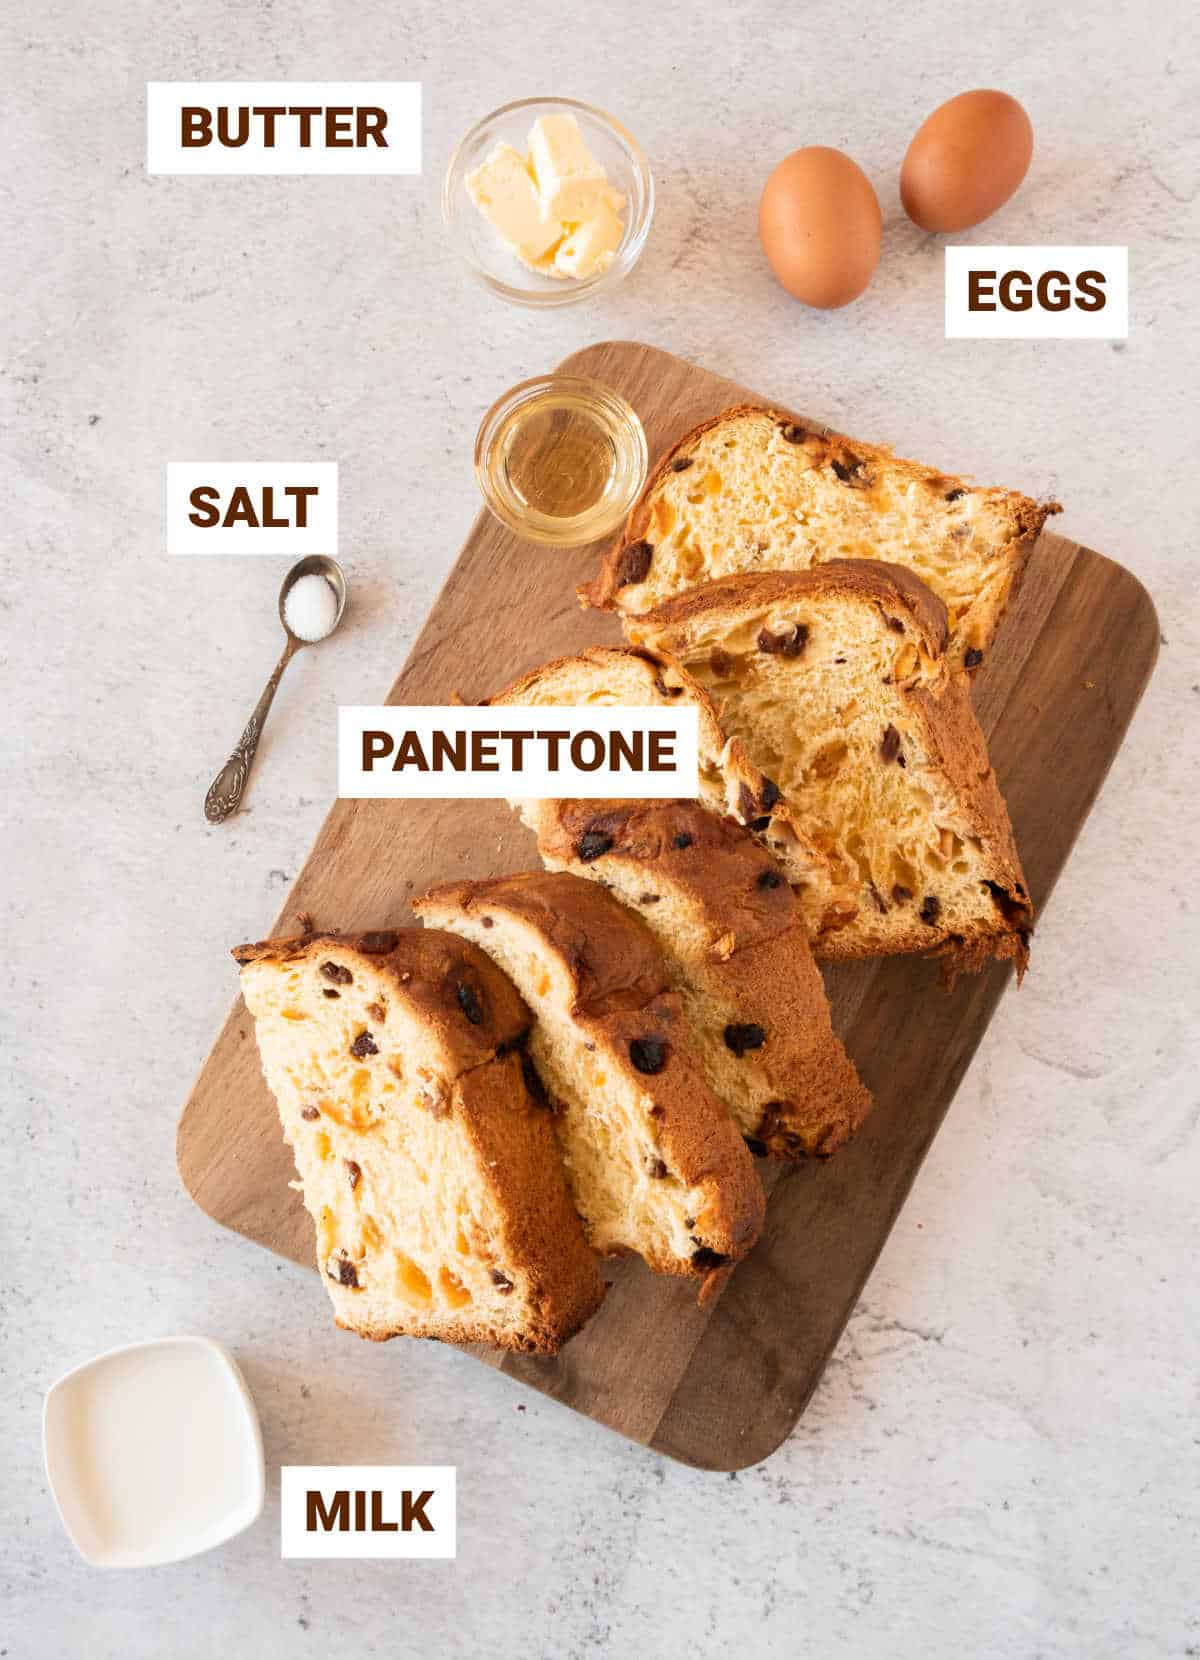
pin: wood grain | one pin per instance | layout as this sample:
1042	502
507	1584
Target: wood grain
720	1389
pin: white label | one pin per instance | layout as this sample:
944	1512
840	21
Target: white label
530	751
367	1510
252	507
1005	293
283	126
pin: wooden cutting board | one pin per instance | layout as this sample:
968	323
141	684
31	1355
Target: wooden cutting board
719	1389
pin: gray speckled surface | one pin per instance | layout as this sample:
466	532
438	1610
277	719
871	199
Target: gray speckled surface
1002	1459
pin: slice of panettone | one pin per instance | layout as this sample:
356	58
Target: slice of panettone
425	1152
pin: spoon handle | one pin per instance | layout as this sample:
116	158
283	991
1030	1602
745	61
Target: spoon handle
227	788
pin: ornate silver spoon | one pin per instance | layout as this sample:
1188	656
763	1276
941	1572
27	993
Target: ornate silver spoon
227	788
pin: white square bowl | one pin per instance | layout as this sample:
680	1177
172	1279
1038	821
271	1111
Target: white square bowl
153	1452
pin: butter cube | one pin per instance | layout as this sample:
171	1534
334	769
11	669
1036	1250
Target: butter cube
570	182
591	247
503	190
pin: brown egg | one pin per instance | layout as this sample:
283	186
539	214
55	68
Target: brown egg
965	161
820	226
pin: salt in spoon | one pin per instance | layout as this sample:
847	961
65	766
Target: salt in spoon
227	788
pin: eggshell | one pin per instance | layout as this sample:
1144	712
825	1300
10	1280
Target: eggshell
820	226
966	161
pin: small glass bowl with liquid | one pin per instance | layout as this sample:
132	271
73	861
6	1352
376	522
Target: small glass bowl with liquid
561	459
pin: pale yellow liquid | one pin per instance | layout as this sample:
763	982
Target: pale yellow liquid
555	457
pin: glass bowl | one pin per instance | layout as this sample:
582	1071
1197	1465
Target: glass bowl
561	459
488	258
